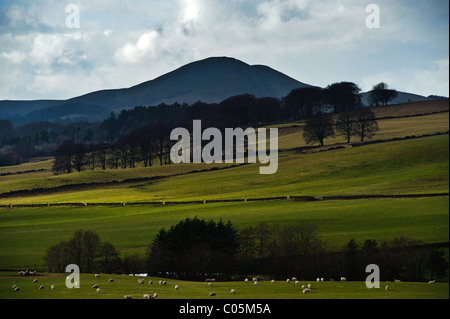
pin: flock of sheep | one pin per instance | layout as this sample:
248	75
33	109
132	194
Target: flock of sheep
305	289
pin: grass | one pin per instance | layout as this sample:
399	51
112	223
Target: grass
25	234
188	290
401	167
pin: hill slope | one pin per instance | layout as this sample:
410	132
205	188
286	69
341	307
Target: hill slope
211	80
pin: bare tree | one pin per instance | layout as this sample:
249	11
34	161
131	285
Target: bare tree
318	128
366	125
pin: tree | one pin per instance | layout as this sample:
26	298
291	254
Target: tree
301	102
64	156
381	94
318	128
345	124
366	125
342	96
191	246
79	153
109	258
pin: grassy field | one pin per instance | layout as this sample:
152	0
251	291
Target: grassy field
128	285
409	166
26	233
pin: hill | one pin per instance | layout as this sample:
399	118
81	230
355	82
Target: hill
210	80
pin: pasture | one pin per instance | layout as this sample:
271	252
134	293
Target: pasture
189	290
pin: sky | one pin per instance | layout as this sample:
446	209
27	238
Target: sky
45	54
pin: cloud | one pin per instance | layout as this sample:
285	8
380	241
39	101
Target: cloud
120	44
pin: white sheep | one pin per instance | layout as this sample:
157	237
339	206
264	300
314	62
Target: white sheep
97	276
95	286
318	279
210	284
233	291
150	282
140	281
322	279
111	279
273	281
386	288
306	290
14	286
212	294
255	279
16	289
160	282
35	281
297	282
397	280
288	280
52	287
146	296
127	297
99	290
309	286
256	283
343	279
432	281
164	282
41	287
303	286
176	287
294	278
246	280
155	295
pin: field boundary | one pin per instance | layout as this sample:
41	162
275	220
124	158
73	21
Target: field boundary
294	198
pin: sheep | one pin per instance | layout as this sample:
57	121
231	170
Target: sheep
288	280
150	282
273	281
146	296
155	295
246	280
16	289
176	287
386	288
35	281
140	281
294	278
255	279
297	282
303	286
95	286
212	294
309	286
233	291
322	279
213	279
160	282
127	297
256	283
397	280
306	290
318	279
97	276
52	287
432	281
99	290
14	286
343	279
41	287
164	282
111	279
210	284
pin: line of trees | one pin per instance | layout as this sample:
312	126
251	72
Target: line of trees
358	122
195	249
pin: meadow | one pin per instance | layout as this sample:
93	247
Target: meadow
414	166
189	290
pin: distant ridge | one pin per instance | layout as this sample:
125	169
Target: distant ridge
210	80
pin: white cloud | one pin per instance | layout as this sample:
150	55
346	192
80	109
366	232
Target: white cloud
120	44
